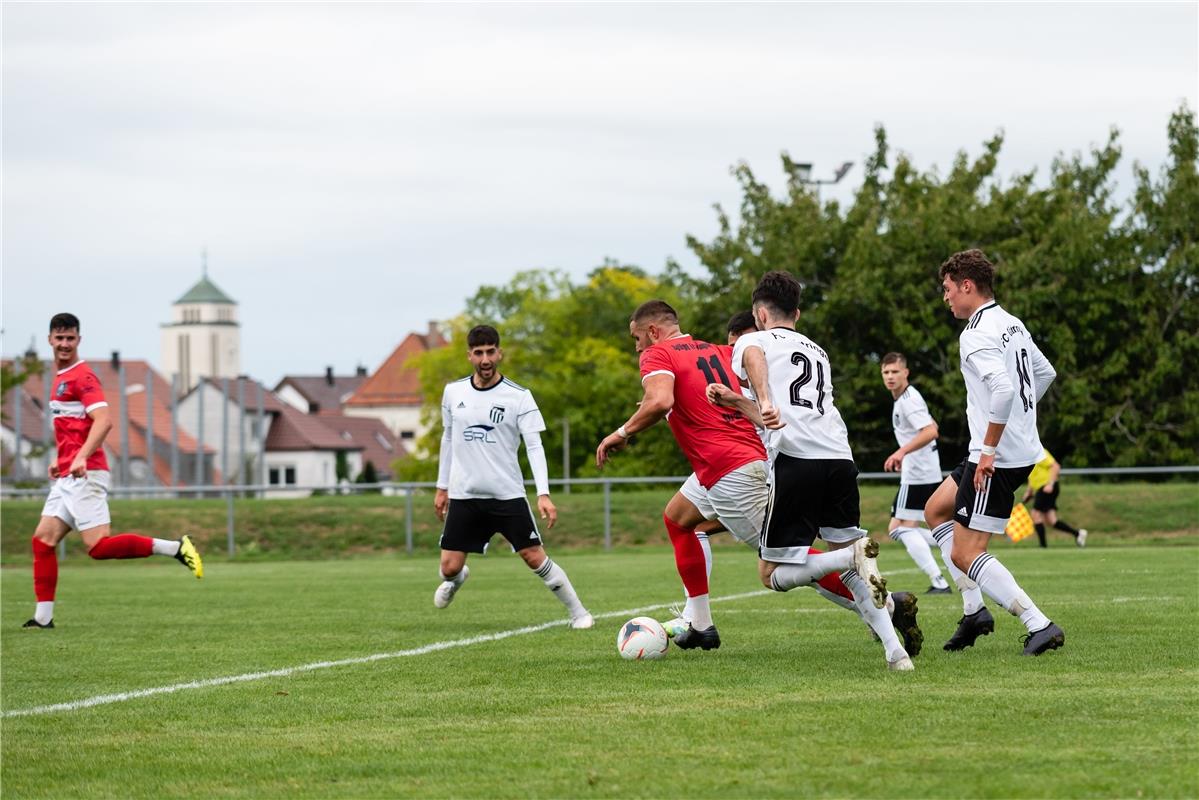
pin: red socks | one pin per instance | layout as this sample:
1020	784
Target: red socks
688	558
45	571
123	545
832	582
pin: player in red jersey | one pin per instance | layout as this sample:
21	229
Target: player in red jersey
831	587
79	496
730	479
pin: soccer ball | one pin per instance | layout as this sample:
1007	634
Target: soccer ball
641	638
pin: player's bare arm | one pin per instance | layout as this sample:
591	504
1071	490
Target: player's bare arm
441	503
656	402
101	425
721	395
926	434
759	380
547	510
986	461
1054	472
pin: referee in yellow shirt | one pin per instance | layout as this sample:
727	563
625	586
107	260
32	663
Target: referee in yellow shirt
1043	483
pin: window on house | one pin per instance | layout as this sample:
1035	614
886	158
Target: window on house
407	435
281	476
382	440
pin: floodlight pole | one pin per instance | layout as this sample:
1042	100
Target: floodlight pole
803	172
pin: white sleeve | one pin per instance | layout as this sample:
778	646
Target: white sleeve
1043	372
738	357
446	455
536	453
991	367
528	416
917	413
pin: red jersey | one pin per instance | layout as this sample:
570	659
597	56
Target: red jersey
715	440
76	392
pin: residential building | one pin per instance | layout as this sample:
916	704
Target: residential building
393	393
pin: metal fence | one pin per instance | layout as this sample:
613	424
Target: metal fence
409	489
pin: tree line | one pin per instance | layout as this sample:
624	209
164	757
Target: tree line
1106	285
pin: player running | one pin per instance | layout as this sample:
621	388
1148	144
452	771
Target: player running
815	489
730	478
79	495
1006	375
480	487
919	466
831	587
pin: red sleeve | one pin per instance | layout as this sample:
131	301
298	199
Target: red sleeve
90	391
655	359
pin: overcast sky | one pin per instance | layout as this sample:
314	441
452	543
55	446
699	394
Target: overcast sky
357	170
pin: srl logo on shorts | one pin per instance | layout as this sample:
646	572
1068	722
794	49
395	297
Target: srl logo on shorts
497	414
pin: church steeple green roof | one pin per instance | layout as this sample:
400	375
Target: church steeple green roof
205	292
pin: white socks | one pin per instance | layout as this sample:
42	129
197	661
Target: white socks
698	612
972	598
706	546
165	547
458	579
833	597
877	618
999	585
790	576
44	612
917	548
556	581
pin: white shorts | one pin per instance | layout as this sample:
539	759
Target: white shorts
738	500
82	503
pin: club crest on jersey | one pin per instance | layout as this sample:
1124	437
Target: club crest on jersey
61	390
497	414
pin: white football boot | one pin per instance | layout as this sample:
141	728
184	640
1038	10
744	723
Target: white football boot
446	591
865	555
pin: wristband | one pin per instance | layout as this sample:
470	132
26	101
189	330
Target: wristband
622	433
988	449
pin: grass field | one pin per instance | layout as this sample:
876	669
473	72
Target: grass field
796	703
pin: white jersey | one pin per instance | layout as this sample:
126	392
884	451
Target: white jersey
801	384
999	356
482	431
908	416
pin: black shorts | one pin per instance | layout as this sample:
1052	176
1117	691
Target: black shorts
1046	501
987	511
910	499
810	497
470	524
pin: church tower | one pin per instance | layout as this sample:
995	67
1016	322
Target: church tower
203	339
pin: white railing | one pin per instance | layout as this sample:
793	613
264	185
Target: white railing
408	490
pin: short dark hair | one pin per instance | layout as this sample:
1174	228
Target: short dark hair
64	322
780	291
895	358
973	265
742	321
654	310
481	335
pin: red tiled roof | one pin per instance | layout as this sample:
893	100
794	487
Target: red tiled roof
328	397
379	445
270	403
292	429
32	420
137	373
396	382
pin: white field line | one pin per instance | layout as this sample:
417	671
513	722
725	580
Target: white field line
121	697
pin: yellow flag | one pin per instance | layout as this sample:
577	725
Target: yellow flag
1019	525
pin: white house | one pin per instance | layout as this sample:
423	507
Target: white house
223	413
